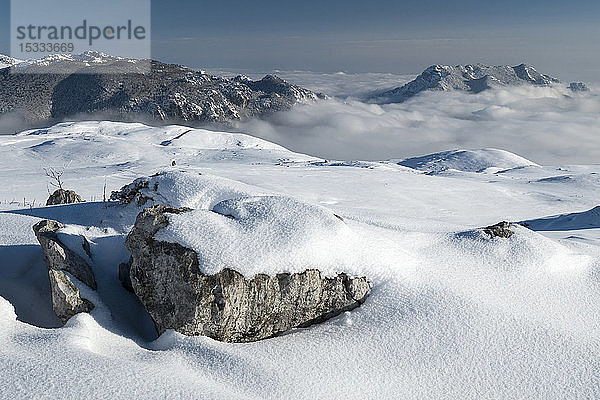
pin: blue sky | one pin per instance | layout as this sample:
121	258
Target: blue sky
557	37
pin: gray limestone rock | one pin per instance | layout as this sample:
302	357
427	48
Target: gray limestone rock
228	306
61	196
60	260
66	299
500	230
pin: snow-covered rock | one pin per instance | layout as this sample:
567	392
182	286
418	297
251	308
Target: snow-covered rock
218	258
62	262
480	160
62	196
471	78
171	282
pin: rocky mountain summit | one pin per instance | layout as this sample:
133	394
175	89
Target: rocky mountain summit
93	84
470	78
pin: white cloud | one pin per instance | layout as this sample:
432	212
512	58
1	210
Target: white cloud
546	125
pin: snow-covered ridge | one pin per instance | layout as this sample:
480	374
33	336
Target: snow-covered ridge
589	219
86	58
168	137
6	61
472	78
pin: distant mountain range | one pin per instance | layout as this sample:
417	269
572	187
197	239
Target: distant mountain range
469	78
62	87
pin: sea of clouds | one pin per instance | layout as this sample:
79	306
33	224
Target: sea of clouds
548	125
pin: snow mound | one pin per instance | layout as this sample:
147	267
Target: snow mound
245	228
263	235
566	222
184	189
481	160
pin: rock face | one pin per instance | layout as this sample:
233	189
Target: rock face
66	299
500	230
61	196
125	275
227	306
169	93
578	87
469	78
63	262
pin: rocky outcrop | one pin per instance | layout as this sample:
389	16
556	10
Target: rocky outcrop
132	192
227	306
578	87
499	230
62	263
468	78
61	196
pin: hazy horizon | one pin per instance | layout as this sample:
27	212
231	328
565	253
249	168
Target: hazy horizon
384	36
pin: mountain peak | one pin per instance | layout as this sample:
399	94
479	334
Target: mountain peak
470	78
65	85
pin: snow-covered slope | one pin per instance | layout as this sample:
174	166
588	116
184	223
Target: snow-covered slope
589	219
480	160
472	78
452	314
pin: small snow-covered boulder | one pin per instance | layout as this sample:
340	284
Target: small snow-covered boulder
61	196
181	294
63	262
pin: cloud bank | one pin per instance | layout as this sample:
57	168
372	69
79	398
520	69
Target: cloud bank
548	125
